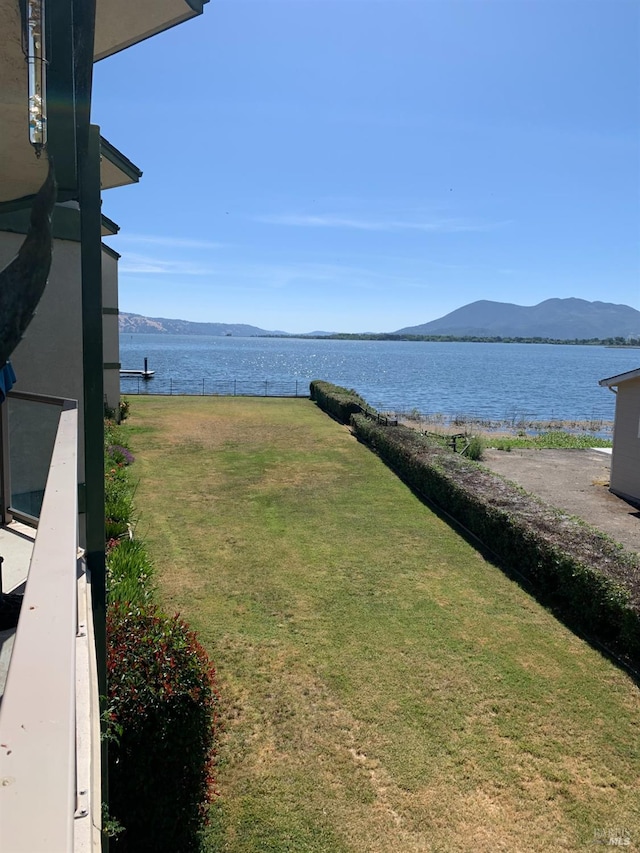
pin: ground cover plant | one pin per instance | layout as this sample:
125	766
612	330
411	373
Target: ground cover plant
384	687
517	426
548	440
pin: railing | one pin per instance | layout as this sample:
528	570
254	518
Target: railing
375	415
214	388
29	424
48	714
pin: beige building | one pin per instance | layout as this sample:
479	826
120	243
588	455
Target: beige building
625	458
50	358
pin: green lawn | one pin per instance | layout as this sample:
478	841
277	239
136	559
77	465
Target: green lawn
385	688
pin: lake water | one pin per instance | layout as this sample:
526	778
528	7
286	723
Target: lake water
489	381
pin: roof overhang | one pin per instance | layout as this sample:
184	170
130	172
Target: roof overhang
116	170
109	228
21	173
121	23
620	378
107	250
65	222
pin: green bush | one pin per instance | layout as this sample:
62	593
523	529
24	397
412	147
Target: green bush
118	503
339	402
475	449
129	572
575	568
553	439
162	696
118	489
162	708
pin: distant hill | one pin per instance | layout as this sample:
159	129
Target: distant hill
564	319
136	323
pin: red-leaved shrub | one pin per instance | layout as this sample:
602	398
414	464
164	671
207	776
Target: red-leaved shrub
162	706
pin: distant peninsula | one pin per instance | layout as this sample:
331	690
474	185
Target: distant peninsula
136	323
570	320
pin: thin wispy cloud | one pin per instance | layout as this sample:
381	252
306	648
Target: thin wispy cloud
134	264
442	226
256	276
170	242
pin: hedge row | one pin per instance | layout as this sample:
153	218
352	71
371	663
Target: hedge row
339	402
582	573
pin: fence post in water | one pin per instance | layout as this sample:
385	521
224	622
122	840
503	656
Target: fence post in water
170	386
234	387
265	387
203	386
296	387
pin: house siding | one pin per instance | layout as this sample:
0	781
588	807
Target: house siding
110	333
625	461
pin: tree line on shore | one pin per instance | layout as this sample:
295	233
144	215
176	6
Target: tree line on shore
480	339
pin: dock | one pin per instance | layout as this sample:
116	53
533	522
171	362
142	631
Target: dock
145	373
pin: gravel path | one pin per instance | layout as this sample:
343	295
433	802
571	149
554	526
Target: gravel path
575	481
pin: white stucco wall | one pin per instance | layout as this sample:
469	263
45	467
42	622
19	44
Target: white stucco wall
625	459
110	333
48	360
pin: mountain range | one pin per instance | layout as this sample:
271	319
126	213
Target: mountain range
559	319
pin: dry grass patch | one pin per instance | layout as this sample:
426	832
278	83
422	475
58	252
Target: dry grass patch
385	688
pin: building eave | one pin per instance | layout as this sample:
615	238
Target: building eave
107	250
116	170
620	378
121	24
65	223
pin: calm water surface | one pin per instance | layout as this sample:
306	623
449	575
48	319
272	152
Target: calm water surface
493	381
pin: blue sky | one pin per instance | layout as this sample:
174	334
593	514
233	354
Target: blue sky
364	165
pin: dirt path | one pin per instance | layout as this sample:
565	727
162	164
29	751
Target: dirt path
575	481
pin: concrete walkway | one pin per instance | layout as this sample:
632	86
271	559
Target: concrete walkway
16	547
575	481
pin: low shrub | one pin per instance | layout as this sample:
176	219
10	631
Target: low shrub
550	439
118	488
475	449
129	572
576	569
339	402
119	455
162	710
118	504
162	696
120	413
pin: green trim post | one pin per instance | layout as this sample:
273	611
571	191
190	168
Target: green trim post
62	115
91	264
